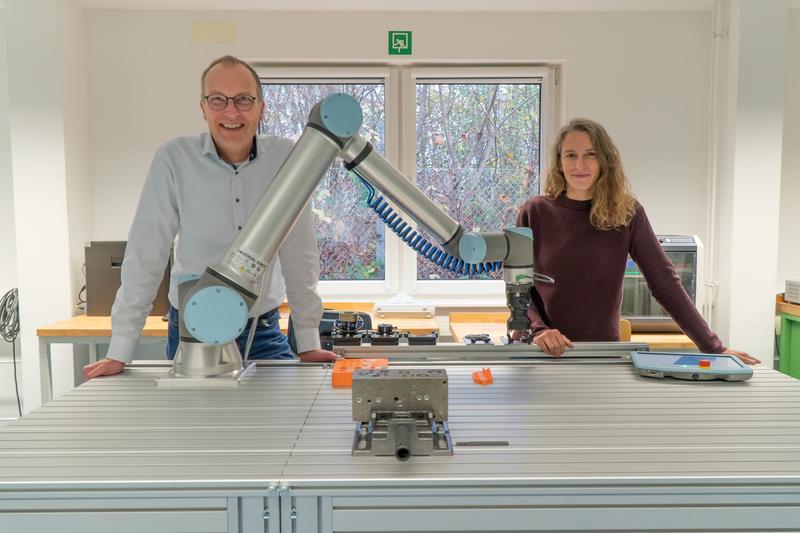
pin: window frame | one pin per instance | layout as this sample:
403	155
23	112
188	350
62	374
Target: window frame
350	289
454	292
400	150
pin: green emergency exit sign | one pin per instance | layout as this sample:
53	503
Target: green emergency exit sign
400	43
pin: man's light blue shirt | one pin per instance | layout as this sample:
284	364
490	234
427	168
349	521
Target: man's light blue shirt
194	198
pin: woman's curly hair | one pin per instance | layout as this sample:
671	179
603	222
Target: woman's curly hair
613	202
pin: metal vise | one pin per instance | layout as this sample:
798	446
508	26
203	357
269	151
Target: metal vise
401	412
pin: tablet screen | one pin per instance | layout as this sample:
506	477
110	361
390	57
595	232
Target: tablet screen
718	362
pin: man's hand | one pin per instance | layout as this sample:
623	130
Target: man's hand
317	356
104	367
552	342
747	359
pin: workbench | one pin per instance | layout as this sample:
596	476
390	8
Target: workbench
94	330
494	324
590	447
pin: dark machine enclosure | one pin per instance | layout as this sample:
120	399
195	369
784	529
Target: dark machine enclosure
103	267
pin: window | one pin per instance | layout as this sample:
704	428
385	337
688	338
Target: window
351	243
478	153
470	138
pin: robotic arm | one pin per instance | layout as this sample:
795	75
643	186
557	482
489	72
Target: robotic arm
214	310
513	247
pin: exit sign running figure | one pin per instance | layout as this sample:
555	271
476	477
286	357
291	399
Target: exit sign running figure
400	43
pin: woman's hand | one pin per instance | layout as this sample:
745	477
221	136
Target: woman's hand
552	342
747	359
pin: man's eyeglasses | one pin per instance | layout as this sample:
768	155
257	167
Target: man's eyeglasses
218	102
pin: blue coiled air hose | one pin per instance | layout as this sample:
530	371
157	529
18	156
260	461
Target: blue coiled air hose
419	244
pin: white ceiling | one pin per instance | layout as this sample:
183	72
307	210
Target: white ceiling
404	5
407	5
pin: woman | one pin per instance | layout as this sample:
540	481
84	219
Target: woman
585	226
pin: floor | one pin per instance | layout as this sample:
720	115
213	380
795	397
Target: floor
8	400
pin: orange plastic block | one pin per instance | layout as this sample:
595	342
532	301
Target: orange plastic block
343	369
483	377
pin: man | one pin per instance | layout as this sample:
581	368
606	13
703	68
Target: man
202	190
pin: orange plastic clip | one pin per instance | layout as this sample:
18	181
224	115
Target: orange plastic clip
343	369
483	377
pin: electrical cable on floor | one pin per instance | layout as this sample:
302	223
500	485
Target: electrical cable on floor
81	304
9	330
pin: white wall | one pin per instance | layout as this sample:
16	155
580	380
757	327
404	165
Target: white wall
789	239
8	256
74	74
47	130
751	160
643	75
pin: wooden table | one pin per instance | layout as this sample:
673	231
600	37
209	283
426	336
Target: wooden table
494	323
665	341
100	326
